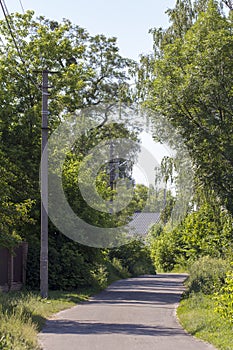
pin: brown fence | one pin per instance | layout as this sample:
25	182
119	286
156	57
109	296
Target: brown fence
13	267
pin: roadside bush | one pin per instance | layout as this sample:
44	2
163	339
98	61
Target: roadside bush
71	265
16	328
115	270
164	246
33	265
135	257
224	298
74	266
207	232
100	276
120	269
207	275
163	254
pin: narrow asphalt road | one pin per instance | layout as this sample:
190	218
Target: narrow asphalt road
132	314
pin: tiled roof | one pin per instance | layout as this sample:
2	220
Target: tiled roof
141	223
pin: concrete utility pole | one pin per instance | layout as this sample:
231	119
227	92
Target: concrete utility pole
111	173
44	190
112	167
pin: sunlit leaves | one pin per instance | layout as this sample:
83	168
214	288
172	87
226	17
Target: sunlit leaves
193	89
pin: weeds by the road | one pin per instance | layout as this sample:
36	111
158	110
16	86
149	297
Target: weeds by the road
197	316
197	310
23	314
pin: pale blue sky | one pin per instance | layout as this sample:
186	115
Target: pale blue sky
128	20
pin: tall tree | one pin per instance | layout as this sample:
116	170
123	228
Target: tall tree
192	87
14	213
90	72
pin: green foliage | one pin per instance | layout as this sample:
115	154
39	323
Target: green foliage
100	276
163	254
224	298
141	195
73	265
23	314
166	213
163	247
91	72
14	213
33	265
16	328
196	314
207	231
71	182
5	342
192	88
135	257
151	200
204	232
121	271
207	275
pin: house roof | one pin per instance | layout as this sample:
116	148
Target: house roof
141	223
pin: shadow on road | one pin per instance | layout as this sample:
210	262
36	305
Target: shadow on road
146	290
74	327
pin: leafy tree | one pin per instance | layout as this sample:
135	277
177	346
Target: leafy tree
207	232
13	214
192	87
123	171
90	72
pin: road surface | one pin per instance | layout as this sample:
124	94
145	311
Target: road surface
133	314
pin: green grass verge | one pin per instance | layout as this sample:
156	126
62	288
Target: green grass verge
23	314
197	316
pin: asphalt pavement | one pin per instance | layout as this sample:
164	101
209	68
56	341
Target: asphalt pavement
132	314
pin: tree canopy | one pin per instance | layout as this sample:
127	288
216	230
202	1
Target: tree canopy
192	88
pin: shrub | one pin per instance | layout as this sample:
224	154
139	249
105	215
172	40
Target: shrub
135	257
121	270
163	254
207	232
164	248
100	276
71	265
224	298
207	275
17	330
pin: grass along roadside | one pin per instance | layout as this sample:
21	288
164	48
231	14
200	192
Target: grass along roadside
23	314
196	314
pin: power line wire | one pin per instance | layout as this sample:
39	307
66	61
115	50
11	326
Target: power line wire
10	23
6	15
21	5
8	20
5	7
